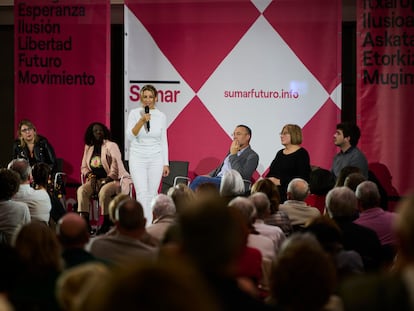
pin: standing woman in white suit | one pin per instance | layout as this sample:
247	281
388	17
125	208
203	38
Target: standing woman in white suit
148	152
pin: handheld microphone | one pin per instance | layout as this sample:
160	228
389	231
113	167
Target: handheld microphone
148	123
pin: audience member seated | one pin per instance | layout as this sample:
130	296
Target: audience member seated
163	215
341	205
262	205
39	255
353	180
73	235
13	214
374	217
41	178
206	190
125	244
388	291
299	213
320	182
76	283
304	277
248	212
348	263
232	185
241	157
276	217
38	201
144	238
182	196
213	238
173	285
344	173
103	169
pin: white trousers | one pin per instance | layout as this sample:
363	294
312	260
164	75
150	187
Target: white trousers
146	173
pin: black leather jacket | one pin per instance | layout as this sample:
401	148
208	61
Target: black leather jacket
42	152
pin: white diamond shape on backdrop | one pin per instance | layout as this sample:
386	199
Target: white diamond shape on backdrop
138	52
272	67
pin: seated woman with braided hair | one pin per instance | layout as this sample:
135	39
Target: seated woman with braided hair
103	169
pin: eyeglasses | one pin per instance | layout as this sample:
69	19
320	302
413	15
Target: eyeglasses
284	133
26	130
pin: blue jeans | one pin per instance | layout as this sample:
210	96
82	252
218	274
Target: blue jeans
205	179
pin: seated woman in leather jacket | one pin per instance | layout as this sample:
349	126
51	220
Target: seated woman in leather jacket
33	147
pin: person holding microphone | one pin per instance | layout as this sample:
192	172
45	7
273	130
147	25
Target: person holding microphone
148	152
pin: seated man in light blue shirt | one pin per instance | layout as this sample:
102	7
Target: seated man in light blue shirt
241	158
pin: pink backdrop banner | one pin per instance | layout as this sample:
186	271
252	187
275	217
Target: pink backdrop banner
223	63
385	88
62	71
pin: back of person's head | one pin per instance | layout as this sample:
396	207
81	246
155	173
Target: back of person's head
206	190
350	130
41	174
327	232
353	180
113	204
298	189
213	236
404	230
74	283
295	133
22	168
344	173
89	138
161	285
162	205
129	215
72	231
9	184
38	248
266	186
321	181
232	184
368	195
341	202
304	276
182	195
261	203
246	208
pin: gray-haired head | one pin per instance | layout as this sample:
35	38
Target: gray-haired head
261	203
21	167
232	184
162	205
246	208
341	202
368	194
298	189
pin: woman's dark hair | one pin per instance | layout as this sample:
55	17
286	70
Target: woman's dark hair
266	186
9	183
321	181
41	174
89	138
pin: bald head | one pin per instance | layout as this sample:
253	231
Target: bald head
298	189
72	230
